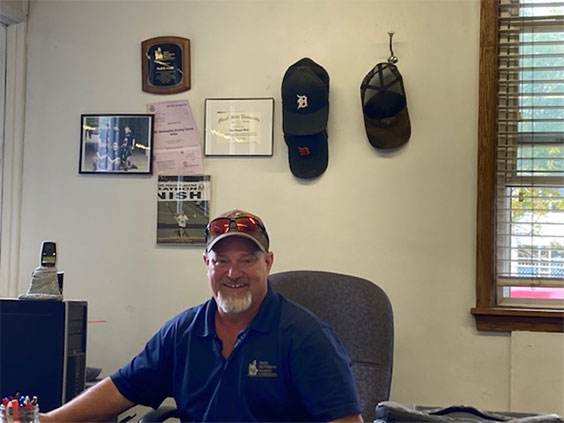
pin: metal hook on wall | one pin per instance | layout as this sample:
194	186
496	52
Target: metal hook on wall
392	59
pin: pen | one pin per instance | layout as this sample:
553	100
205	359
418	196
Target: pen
15	410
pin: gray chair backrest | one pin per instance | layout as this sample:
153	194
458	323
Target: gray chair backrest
361	314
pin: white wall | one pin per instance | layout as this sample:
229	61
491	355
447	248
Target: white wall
13	11
404	219
537	364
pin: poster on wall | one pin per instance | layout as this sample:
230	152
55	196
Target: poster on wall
183	209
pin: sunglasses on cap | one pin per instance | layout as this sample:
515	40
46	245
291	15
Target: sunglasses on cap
243	224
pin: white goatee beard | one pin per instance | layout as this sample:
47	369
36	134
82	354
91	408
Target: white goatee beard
232	304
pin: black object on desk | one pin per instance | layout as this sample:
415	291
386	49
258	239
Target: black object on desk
43	349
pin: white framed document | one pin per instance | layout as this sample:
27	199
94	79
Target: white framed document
238	126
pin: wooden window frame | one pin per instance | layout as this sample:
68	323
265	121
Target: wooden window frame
487	314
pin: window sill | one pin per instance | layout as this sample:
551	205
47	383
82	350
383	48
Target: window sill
509	319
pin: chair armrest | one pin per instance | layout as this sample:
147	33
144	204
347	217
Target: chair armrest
160	415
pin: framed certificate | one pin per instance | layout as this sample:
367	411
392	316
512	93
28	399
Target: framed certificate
238	126
165	65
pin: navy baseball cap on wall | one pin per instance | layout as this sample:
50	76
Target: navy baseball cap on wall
305	112
308	154
384	106
314	67
305	98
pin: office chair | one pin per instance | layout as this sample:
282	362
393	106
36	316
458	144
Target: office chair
360	313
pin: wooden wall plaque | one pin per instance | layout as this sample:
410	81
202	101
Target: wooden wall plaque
165	65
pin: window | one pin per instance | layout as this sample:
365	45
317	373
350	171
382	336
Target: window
520	251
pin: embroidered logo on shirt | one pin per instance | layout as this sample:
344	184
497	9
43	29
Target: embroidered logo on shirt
253	371
262	369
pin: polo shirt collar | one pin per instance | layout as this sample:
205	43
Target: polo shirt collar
264	321
206	328
267	316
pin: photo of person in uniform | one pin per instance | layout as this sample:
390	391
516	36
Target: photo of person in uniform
116	143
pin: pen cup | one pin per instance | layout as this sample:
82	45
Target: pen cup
26	414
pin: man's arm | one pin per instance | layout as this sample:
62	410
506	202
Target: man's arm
101	403
353	418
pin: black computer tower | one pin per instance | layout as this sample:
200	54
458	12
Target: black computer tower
43	349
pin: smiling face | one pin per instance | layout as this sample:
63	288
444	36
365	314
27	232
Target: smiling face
237	272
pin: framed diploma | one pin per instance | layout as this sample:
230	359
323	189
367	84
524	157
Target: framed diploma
238	126
165	65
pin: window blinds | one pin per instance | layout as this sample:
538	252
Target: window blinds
530	144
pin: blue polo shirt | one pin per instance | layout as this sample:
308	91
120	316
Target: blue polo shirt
287	365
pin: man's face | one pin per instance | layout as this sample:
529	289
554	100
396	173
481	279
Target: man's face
237	272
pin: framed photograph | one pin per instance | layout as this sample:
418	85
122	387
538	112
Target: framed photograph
165	65
112	143
238	126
